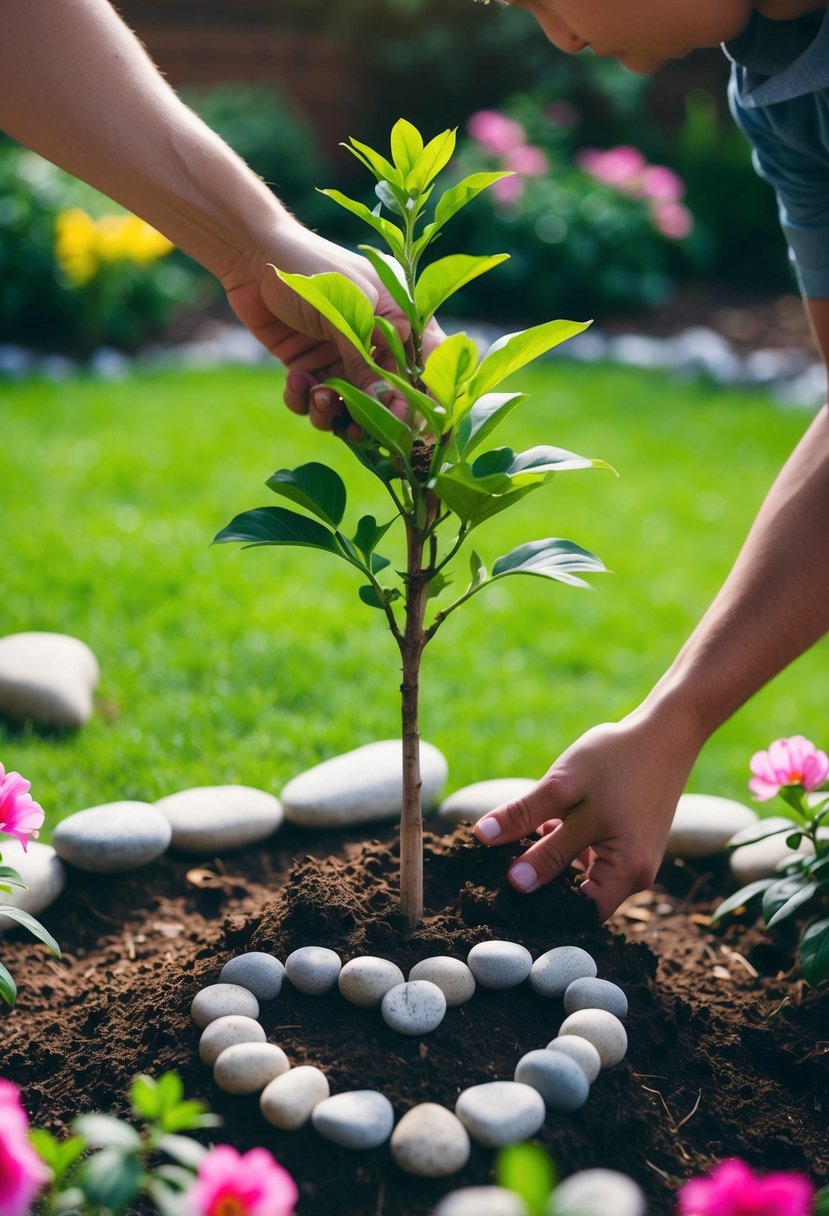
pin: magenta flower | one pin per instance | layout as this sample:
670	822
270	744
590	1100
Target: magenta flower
662	184
495	132
229	1184
22	1173
731	1189
621	167
527	160
793	761
20	815
673	220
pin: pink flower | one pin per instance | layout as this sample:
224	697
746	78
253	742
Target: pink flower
527	160
621	167
662	184
495	132
731	1189
22	1173
507	190
20	815
793	761
229	1184
673	220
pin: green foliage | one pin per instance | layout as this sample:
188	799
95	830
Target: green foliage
11	878
530	1172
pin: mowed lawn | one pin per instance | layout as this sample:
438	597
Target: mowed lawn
222	665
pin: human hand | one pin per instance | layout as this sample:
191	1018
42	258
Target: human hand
606	804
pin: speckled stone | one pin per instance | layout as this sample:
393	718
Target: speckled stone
453	977
590	993
430	1141
260	973
580	1050
554	971
313	970
222	1000
467	805
359	1119
224	1032
599	1193
500	1112
602	1029
364	981
215	818
481	1201
289	1100
499	964
246	1068
560	1081
42	871
414	1007
112	839
703	824
47	678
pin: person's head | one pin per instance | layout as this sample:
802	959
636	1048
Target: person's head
641	34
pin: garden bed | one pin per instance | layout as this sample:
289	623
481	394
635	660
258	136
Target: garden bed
728	1052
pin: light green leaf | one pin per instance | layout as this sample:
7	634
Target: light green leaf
434	157
373	417
145	1099
561	560
391	234
188	1116
431	411
396	289
277	526
477	571
742	897
528	1171
393	198
369	534
517	350
313	486
814	952
394	343
784	898
459	492
340	301
11	876
483	417
382	169
406	147
536	464
456	198
441	279
34	926
103	1131
449	366
8	988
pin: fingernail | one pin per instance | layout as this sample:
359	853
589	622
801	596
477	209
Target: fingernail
488	828
324	402
523	876
299	382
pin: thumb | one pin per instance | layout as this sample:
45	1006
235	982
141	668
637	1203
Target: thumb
550	856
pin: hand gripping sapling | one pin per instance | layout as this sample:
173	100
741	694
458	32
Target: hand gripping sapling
441	484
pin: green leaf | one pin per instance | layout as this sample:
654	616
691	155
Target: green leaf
145	1099
393	198
313	486
793	841
374	418
394	342
784	897
369	596
11	876
397	290
527	1170
166	1199
470	503
71	1201
483	417
443	278
814	952
170	1091
431	411
382	169
500	469
449	366
8	988
340	301
277	526
551	558
437	585
821	1200
456	198
773	826
434	157
517	350
59	1155
104	1131
376	463
741	898
391	234
34	926
187	1117
110	1179
406	147
477	571
369	534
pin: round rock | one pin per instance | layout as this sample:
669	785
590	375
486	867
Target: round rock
225	1032
220	1001
47	678
599	1192
602	1029
560	1081
360	786
467	805
246	1068
481	1201
453	977
414	1007
703	825
590	993
430	1141
580	1050
288	1101
42	871
313	970
214	818
358	1119
113	838
499	964
554	971
257	971
500	1112
364	981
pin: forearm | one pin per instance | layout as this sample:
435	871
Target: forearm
77	87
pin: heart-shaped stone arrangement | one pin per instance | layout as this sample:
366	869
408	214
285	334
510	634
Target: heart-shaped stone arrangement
429	1140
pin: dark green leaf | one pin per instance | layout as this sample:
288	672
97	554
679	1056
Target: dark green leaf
8	988
434	157
374	418
437	585
773	826
448	367
456	198
368	595
821	1200
340	301
784	897
444	277
814	952
103	1131
313	486
526	1169
742	897
501	469
794	840
483	417
34	926
458	491
110	1179
369	534
517	350
277	526
386	274
391	234
376	463
550	558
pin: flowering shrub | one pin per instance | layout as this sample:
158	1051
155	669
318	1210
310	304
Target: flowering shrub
794	770
85	246
732	1189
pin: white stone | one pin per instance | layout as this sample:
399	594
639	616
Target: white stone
602	1029
42	871
599	1193
289	1100
257	971
560	1081
364	981
499	964
481	1201
224	1032
414	1007
553	972
500	1112
246	1068
313	970
467	805
453	977
47	678
358	1119
213	818
113	838
590	993
222	1000
361	786
430	1141
760	860
580	1050
703	825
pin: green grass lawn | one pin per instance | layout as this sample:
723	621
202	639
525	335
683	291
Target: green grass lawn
221	665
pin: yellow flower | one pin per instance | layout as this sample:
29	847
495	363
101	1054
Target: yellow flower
75	241
83	245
